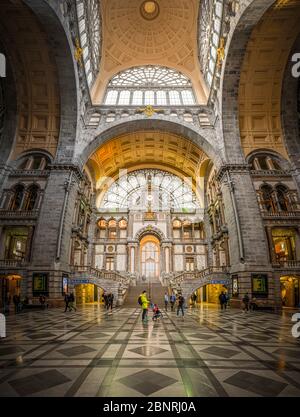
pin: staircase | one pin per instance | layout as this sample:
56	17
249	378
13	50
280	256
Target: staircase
155	292
133	293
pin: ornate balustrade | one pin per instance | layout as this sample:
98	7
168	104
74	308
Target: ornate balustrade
84	271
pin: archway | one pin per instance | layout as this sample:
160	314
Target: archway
150	258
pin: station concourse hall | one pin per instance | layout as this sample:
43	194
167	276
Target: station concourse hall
150	198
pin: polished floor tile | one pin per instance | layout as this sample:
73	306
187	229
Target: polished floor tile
209	353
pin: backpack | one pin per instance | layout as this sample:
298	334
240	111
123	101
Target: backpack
140	300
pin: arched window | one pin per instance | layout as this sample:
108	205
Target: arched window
282	197
31	200
17	199
149	85
89	25
267	199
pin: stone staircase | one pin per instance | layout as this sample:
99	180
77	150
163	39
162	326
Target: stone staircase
155	292
133	293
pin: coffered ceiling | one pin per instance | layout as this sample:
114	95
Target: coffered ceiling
161	32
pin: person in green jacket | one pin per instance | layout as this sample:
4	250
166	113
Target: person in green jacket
144	304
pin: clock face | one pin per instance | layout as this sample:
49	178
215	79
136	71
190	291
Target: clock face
189	249
110	249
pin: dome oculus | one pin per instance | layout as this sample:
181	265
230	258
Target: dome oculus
149	10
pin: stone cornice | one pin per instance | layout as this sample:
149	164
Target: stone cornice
67	167
236	168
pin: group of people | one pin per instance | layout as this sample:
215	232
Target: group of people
145	304
108	300
69	302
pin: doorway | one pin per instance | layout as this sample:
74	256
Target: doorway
89	294
150	257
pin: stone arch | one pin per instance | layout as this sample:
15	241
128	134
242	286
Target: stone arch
152	230
207	144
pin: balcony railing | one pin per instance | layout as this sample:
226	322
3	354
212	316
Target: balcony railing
12	263
18	214
281	214
84	270
287	265
198	275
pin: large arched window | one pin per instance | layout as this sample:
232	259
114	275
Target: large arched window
149	85
150	188
89	25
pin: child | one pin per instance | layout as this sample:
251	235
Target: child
157	314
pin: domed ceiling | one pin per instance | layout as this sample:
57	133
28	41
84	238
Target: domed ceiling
161	32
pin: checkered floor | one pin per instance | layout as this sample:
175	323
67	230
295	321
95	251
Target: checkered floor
89	353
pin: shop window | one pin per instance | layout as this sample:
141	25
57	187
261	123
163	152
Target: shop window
16	243
284	241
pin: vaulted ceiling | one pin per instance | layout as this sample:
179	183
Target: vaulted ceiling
138	32
262	73
146	149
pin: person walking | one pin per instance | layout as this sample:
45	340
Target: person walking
66	301
16	301
110	301
72	302
105	296
144	303
172	301
222	299
246	301
166	301
180	305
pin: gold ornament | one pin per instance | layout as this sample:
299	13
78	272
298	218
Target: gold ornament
78	52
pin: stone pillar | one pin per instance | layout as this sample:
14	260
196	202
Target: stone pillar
247	241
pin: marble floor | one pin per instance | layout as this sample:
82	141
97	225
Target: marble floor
209	353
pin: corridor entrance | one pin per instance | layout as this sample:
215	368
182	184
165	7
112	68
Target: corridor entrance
89	294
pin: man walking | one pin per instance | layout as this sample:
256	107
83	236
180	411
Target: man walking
223	300
144	303
72	302
180	305
166	301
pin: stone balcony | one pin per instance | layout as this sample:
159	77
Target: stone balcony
11	264
199	116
